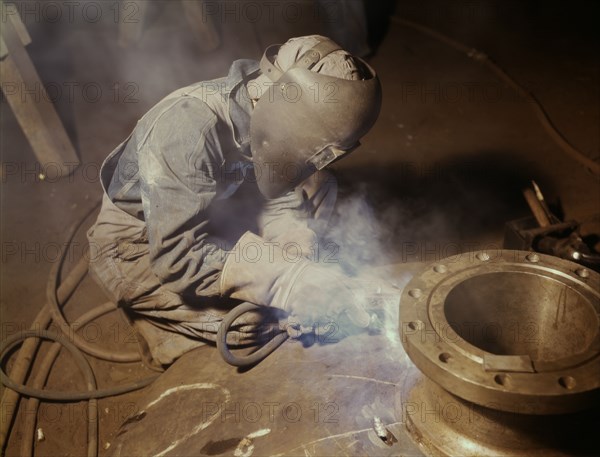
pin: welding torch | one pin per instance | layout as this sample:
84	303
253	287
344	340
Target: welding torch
288	327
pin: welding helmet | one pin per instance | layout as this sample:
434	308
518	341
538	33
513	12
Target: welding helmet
306	120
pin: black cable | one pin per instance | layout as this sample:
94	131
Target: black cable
53	309
256	356
27	353
51	288
28	424
81	361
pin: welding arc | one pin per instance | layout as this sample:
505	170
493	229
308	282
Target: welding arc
540	112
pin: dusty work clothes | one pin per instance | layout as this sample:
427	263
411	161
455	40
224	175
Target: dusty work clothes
179	193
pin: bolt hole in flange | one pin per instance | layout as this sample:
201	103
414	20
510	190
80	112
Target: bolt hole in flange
440	268
522	332
414	325
582	273
415	293
502	380
483	256
444	357
510	313
567	382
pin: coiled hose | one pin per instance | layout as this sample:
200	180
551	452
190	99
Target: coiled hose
32	405
256	356
51	311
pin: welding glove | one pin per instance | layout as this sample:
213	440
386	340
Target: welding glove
284	221
263	273
298	242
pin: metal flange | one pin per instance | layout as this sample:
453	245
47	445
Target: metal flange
513	331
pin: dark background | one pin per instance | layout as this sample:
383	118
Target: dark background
442	170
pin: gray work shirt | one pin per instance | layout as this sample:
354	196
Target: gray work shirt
187	156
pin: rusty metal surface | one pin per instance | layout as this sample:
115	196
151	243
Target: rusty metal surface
508	342
513	329
324	399
462	428
321	400
359	396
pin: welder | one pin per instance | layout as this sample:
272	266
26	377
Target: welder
220	195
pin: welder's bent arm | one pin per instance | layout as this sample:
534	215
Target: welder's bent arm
285	213
260	272
177	175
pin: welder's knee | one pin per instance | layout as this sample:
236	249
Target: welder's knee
121	269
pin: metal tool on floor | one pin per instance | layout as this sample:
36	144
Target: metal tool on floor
547	234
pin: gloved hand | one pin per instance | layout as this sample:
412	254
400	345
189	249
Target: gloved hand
260	272
319	295
298	242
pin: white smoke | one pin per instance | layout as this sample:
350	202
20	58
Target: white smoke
365	253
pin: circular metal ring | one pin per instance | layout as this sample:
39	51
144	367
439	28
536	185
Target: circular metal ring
510	330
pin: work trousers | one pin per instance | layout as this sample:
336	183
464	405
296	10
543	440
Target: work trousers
168	324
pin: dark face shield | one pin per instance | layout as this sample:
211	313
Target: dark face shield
305	121
328	155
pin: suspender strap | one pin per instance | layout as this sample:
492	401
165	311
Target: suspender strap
311	57
266	63
308	60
